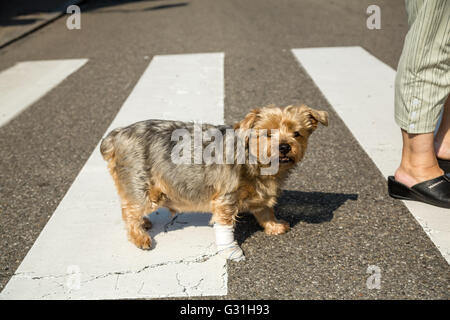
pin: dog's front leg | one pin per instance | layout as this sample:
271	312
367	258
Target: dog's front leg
224	214
266	219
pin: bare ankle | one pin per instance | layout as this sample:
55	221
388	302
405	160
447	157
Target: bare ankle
410	176
442	149
404	177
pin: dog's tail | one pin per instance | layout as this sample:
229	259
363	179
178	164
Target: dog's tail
107	147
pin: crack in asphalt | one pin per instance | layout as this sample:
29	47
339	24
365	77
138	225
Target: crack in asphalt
184	261
199	259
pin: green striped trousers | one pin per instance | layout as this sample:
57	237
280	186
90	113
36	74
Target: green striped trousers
422	83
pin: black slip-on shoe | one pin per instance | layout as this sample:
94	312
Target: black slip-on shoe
444	164
435	191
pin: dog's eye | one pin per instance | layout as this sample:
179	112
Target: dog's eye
296	134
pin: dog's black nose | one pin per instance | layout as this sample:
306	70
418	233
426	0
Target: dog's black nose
285	148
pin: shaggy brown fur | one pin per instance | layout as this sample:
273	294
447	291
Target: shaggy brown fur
139	161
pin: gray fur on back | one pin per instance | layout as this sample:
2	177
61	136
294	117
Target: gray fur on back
143	150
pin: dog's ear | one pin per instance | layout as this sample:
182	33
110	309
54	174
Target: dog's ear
321	116
308	117
249	120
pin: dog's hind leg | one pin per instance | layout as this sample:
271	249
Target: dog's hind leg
132	213
135	223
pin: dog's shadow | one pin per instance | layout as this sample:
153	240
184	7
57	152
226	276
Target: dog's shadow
295	207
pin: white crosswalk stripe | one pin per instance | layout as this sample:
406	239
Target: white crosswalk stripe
361	90
26	82
83	251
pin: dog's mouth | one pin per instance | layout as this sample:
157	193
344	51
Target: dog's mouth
286	159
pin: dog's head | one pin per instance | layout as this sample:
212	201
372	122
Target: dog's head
293	124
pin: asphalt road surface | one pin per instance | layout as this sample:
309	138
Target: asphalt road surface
336	201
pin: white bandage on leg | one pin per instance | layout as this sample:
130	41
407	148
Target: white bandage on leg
227	247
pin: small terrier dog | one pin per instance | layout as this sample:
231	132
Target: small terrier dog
139	160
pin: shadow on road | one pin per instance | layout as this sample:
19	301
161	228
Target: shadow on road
167	6
23	12
98	9
295	207
310	207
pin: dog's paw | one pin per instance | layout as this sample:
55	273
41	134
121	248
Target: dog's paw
231	252
276	227
142	241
